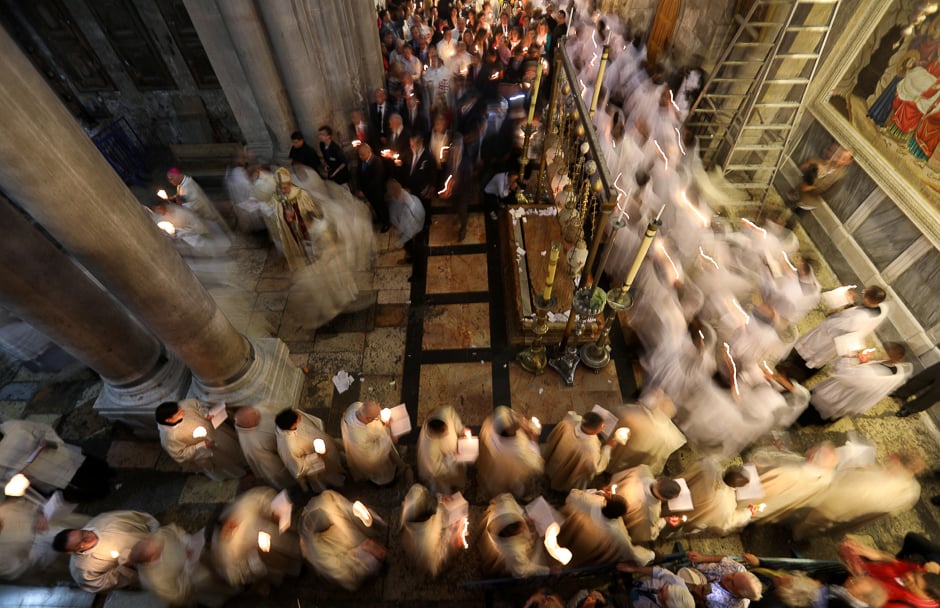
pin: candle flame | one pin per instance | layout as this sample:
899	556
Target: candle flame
466	433
199	432
613	489
167	227
465	534
446	183
695	210
362	512
443	149
786	259
264	541
536	423
663	154
385	415
672	100
162	194
737	305
319	446
622	435
560	553
679	140
356	143
17	485
761	507
675	269
754	227
702	253
115	554
734	370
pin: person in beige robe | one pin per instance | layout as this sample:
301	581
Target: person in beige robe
340	547
101	550
595	533
574	454
258	441
437	450
370	450
428	539
26	536
297	435
298	221
860	496
510	460
507	543
791	481
715	502
188	436
168	570
653	435
645	495
236	554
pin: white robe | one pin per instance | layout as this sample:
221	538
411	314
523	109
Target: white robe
653	438
222	461
519	556
313	471
854	388
643	517
818	347
572	457
790	482
22	547
425	534
594	539
259	445
336	552
235	551
179	579
715	503
507	464
437	464
103	567
370	452
53	463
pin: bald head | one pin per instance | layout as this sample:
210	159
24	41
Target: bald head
247	417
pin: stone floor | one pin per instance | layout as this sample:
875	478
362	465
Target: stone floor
424	335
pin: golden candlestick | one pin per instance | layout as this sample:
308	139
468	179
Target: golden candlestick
535	94
552	266
651	229
600	79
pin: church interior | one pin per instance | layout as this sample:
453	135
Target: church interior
109	308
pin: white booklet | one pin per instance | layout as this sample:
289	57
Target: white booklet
400	423
217	415
457	508
610	421
682	502
281	507
753	490
543	514
56	507
468	449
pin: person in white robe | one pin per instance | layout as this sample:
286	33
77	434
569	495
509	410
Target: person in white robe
169	570
437	451
574	453
236	552
510	460
594	530
190	235
859	496
645	495
370	449
791	481
653	435
310	454
26	536
48	462
818	347
189	437
715	503
101	549
507	543
857	384
189	194
258	440
427	536
340	547
247	208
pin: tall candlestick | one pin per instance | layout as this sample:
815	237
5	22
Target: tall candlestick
552	265
600	79
535	94
644	249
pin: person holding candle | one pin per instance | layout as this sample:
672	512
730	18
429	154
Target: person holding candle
715	501
510	460
594	530
645	495
258	440
192	440
574	452
438	442
191	196
370	449
653	435
426	536
508	543
310	455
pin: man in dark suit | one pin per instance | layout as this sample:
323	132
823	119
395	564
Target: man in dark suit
379	113
919	393
415	118
371	182
421	176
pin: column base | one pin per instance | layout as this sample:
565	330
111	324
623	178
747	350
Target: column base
271	380
134	405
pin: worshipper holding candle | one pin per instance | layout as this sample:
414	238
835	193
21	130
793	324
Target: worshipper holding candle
310	455
258	440
714	499
438	466
594	530
507	543
653	437
370	448
574	453
34	450
339	543
252	542
428	537
191	196
190	437
26	536
101	549
510	460
645	495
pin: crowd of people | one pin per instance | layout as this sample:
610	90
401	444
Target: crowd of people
715	319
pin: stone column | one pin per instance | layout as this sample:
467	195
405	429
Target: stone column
228	69
329	57
41	285
251	44
53	171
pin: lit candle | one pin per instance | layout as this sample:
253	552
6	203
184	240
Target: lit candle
264	541
199	432
362	512
622	435
385	415
535	94
167	227
560	553
651	229
319	446
356	143
115	555
552	265
465	534
17	485
536	424
613	489
162	194
761	507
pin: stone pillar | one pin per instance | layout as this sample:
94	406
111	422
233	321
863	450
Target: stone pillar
228	69
53	171
43	286
251	44
329	57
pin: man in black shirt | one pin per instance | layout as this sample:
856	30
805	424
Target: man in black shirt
303	154
333	156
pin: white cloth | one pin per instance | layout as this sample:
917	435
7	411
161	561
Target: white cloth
643	517
519	555
34	449
22	547
507	464
854	387
259	445
653	438
222	461
572	457
594	539
427	538
407	216
818	347
178	579
103	567
437	463
790	482
312	470
715	503
370	452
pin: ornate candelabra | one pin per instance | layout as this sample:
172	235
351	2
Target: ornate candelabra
583	308
534	358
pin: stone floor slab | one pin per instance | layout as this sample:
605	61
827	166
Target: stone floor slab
384	352
465	386
394	296
444	230
339	342
391	315
19	391
201	490
457	326
134	454
457	273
